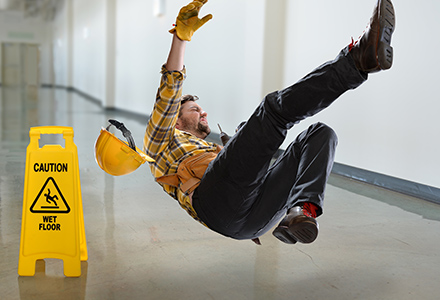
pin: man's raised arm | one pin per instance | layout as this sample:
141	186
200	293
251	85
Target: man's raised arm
187	23
160	128
176	55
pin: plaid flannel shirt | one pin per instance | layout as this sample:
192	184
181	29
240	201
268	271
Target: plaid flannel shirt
167	145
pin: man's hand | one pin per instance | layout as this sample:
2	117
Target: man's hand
188	21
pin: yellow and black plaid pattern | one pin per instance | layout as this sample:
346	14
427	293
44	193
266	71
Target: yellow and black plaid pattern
166	144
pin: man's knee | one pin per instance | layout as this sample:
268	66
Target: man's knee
323	133
327	131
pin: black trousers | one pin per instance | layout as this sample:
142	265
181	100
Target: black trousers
242	195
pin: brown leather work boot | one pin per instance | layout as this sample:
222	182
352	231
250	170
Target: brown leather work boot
373	52
298	226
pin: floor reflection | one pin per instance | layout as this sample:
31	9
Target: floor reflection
50	283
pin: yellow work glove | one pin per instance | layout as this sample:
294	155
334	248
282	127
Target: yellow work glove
188	21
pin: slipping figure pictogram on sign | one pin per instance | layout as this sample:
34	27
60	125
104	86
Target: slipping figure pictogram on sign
50	199
51	194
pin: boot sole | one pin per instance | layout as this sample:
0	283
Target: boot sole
387	24
283	234
305	232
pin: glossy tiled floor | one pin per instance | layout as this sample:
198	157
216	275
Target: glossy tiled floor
373	244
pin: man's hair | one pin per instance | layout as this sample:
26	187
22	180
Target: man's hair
186	98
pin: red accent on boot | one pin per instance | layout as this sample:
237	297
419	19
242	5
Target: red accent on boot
351	44
310	209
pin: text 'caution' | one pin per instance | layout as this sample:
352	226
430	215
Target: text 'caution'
50	167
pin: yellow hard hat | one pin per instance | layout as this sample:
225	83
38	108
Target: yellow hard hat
115	156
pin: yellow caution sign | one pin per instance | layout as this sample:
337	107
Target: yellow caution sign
52	224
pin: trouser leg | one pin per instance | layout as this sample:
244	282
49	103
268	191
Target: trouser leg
234	180
299	175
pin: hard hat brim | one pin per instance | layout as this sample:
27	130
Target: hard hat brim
115	157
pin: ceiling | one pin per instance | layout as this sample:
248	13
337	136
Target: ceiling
44	9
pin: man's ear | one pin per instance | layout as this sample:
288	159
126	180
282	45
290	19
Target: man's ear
178	124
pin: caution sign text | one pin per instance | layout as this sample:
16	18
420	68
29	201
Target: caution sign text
49	223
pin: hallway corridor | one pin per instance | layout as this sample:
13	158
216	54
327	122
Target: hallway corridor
373	244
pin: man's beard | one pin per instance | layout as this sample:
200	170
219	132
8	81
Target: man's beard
203	129
199	129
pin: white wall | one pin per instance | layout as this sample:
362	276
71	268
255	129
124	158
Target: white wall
61	45
140	37
232	36
89	46
388	125
225	61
